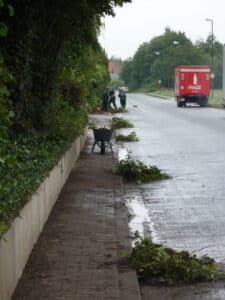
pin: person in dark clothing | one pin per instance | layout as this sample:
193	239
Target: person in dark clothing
112	98
105	100
123	99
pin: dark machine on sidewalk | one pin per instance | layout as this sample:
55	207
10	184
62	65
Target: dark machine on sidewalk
103	139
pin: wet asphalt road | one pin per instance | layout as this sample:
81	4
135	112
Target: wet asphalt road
188	210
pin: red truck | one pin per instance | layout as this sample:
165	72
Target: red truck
192	84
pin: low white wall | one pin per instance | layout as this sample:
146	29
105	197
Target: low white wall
16	245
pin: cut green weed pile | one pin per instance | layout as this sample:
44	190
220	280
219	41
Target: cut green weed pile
121	123
166	266
132	137
136	171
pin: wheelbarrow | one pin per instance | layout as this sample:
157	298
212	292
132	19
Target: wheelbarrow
103	138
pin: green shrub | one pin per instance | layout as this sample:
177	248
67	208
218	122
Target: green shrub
66	120
131	137
5	104
164	265
5	122
121	123
137	172
25	161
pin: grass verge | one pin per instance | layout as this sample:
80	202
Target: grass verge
215	100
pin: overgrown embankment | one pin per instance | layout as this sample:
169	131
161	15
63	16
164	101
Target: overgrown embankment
52	73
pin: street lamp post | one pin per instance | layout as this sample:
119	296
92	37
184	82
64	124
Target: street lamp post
212	51
157	53
165	79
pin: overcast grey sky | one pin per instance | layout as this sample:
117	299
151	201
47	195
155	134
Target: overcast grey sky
142	20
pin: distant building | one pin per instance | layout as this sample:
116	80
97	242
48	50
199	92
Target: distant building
114	69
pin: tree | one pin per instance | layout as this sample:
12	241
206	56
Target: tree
37	44
5	78
206	49
156	60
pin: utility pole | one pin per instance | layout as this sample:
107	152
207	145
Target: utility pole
224	75
212	55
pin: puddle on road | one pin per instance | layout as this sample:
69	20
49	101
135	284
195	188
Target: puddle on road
123	154
202	291
141	221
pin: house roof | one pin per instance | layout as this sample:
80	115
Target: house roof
114	67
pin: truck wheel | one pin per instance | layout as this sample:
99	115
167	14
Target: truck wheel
203	101
179	104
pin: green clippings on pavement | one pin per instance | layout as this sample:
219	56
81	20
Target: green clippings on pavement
136	171
167	266
168	93
136	235
131	137
121	123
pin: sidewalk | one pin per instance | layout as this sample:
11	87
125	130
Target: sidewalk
80	253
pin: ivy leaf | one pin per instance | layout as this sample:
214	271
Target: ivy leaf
3	29
11	114
11	10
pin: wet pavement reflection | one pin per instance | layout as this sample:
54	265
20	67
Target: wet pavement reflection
186	212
